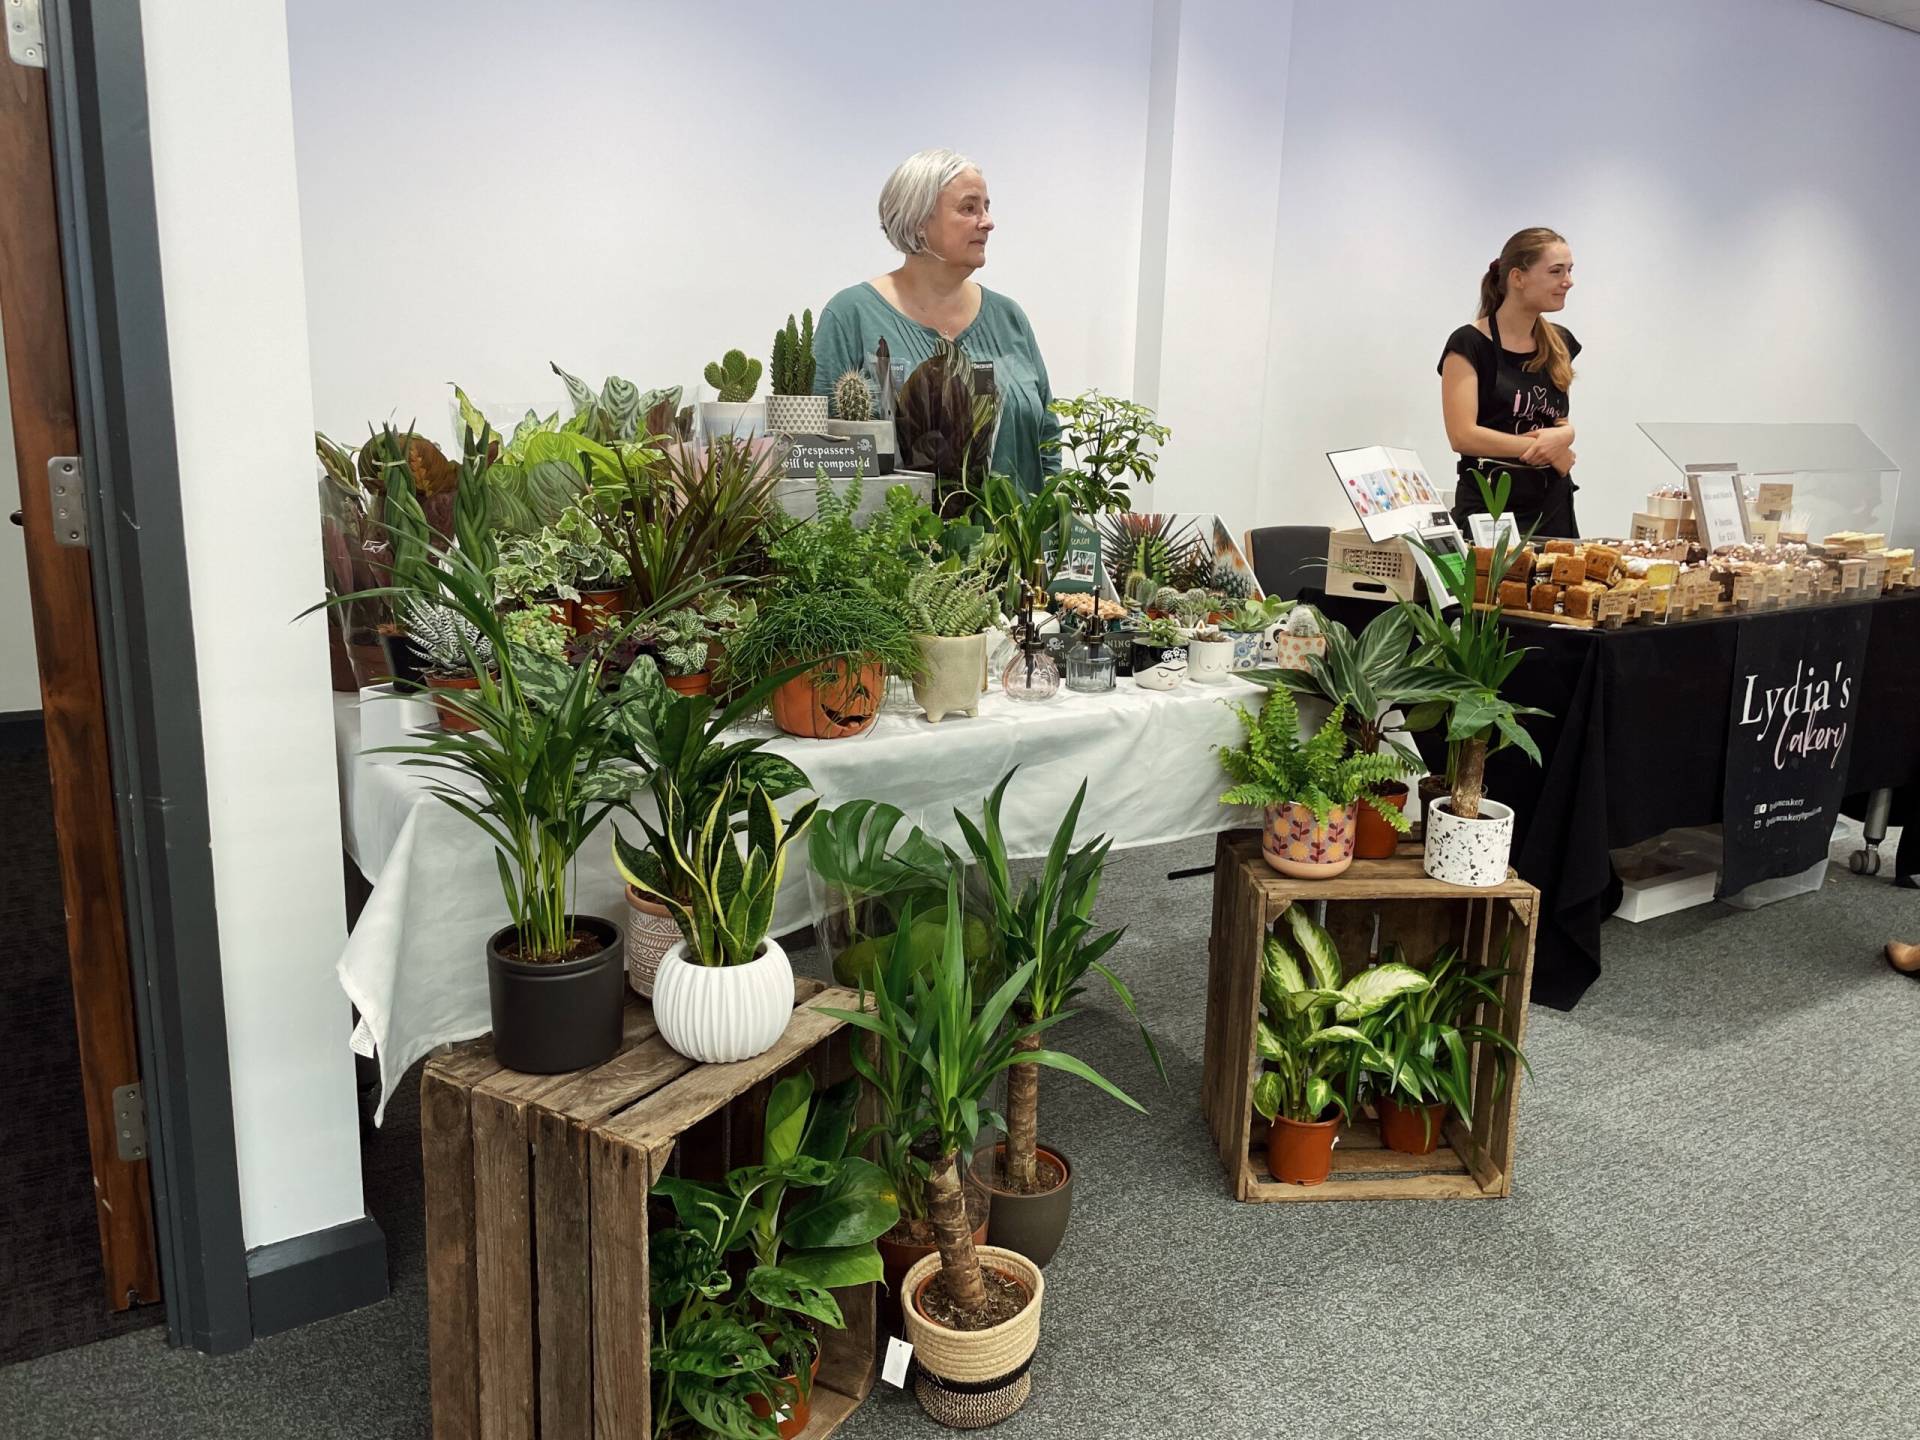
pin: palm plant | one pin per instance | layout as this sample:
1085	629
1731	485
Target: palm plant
1422	1042
1046	926
932	1026
1310	1022
1472	650
1276	768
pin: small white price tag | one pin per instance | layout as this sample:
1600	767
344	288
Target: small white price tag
894	1369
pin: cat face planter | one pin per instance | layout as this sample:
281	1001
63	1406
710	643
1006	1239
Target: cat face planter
1159	667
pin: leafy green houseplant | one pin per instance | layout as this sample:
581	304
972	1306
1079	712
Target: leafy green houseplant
932	1026
1468	838
1046	927
949	610
1307	1041
944	426
685	640
1306	789
1420	1062
1112	441
803	1220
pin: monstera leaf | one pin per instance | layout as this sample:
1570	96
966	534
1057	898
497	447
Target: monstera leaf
940	425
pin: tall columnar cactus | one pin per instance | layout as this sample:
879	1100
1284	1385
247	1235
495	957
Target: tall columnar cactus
793	357
734	376
852	400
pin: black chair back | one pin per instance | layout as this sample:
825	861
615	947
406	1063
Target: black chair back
1287	559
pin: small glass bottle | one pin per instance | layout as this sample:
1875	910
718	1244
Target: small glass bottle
1090	663
1032	674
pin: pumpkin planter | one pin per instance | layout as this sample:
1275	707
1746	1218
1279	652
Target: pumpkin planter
831	701
1296	844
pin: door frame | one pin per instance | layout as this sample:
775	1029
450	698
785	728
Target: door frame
102	171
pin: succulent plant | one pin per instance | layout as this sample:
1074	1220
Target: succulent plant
1303	621
852	400
1152	546
793	357
452	644
1228	581
734	376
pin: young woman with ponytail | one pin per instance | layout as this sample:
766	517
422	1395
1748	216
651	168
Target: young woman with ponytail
1504	382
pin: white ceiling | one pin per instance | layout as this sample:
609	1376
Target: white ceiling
1904	13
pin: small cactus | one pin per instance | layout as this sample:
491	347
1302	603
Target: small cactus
852	400
793	357
734	376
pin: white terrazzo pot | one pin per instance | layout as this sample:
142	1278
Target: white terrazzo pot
1468	852
719	1013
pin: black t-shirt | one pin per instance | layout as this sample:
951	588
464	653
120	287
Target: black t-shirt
1513	400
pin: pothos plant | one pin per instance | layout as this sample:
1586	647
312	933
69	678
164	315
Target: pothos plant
803	1220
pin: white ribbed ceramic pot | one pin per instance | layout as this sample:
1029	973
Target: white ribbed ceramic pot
1468	852
719	1013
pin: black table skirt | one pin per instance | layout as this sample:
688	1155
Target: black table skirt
1635	744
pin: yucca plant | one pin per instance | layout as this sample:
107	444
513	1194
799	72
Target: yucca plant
930	1024
1046	926
1309	1030
719	891
1275	767
1474	651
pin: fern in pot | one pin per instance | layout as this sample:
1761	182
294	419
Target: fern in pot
1306	789
949	611
725	990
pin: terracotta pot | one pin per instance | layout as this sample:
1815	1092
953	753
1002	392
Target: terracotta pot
801	1410
449	720
1300	1152
847	704
1373	838
594	609
1296	844
1410	1129
698	684
899	1256
1031	1225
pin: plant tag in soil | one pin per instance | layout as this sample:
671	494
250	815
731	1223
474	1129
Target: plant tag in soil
899	1355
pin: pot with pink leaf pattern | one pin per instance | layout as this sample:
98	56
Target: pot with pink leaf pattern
1296	844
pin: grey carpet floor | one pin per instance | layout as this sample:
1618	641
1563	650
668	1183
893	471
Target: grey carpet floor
1714	1231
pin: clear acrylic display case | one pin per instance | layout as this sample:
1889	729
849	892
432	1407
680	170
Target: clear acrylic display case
1841	480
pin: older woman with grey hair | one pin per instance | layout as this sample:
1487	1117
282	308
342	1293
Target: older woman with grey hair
934	210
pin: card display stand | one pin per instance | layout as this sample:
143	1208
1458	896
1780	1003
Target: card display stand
1391	902
538	1191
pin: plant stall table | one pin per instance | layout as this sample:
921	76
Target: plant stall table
537	1201
1376	903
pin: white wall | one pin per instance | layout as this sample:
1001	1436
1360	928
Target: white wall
1738	180
19	667
636	187
237	340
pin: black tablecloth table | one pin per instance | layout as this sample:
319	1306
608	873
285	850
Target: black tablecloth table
1635	744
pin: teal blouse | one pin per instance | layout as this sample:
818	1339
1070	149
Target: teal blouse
859	315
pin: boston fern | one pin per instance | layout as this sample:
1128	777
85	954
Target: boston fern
1276	768
949	602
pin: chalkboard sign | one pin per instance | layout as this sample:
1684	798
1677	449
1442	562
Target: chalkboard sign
1796	695
842	457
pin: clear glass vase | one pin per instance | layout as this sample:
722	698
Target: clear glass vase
1090	666
1032	674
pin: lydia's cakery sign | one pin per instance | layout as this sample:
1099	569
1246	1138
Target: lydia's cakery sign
1796	686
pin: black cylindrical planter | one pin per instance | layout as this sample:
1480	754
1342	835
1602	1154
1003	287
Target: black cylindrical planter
406	666
548	1019
1029	1225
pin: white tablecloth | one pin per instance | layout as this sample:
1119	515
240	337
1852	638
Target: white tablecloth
415	964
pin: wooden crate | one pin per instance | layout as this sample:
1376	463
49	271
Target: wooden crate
538	1192
1417	913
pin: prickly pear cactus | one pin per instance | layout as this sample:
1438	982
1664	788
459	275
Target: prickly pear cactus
735	376
852	400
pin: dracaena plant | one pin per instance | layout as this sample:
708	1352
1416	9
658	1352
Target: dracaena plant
1310	1023
718	884
1473	650
804	1218
1275	767
1421	1050
930	1026
1046	926
1370	677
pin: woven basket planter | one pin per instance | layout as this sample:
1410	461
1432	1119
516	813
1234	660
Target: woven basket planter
973	1378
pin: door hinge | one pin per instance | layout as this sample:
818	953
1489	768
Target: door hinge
26	37
130	1122
69	496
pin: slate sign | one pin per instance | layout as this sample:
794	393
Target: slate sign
1796	696
841	457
